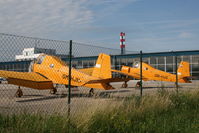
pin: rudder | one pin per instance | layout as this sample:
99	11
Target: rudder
184	69
102	68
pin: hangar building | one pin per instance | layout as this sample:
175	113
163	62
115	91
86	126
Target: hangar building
161	60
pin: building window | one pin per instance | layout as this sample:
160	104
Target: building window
169	59
153	60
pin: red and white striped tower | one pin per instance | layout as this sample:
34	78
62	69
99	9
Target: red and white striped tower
122	42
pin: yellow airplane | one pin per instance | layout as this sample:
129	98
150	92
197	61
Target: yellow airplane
150	73
48	70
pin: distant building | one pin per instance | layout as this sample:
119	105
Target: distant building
63	56
33	53
164	61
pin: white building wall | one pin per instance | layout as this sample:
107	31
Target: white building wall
33	53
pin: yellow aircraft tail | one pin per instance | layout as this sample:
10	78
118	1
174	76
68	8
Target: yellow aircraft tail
183	69
102	68
184	72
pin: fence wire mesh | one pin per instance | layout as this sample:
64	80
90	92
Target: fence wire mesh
23	55
17	53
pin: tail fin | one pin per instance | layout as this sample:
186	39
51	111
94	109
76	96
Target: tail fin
103	67
184	69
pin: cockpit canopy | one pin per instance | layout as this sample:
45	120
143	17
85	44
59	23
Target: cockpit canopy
51	60
40	59
136	64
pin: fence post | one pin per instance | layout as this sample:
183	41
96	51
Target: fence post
141	73
69	82
176	70
69	73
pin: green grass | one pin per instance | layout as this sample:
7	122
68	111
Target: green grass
35	124
160	113
152	114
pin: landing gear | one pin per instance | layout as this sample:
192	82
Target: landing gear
91	92
53	91
138	85
125	85
19	92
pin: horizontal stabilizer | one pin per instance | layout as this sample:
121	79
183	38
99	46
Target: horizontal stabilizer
88	71
108	80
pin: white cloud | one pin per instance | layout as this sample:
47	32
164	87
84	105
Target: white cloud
39	17
185	35
32	17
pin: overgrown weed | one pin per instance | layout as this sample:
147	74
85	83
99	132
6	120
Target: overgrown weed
163	112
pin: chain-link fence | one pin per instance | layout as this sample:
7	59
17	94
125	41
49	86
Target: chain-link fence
42	83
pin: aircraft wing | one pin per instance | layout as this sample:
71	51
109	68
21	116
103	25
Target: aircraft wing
108	80
27	79
136	77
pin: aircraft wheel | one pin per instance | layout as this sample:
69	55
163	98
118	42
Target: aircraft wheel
19	92
124	85
53	91
138	85
91	92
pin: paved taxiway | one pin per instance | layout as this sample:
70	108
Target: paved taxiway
41	101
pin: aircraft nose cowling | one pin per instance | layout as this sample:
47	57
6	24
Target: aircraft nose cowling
125	69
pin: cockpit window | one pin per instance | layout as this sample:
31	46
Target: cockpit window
136	64
40	59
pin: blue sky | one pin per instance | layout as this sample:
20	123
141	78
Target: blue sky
150	25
